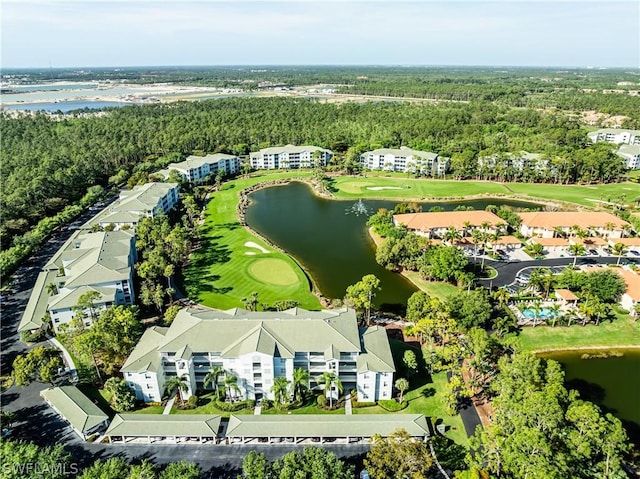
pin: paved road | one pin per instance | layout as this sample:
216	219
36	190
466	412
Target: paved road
507	271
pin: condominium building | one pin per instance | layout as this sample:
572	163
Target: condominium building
148	200
518	161
404	159
289	156
196	168
436	225
631	296
257	347
631	155
101	262
547	224
615	135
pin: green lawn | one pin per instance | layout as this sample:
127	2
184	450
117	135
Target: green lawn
310	409
622	332
224	270
148	410
436	289
428	400
424	189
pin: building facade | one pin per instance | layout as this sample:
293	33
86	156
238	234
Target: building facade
148	200
102	263
258	347
436	225
517	161
290	156
405	159
615	135
548	224
195	169
631	155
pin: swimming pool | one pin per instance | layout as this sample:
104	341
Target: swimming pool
543	313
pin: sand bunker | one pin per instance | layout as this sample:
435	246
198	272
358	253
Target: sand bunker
250	253
251	244
378	188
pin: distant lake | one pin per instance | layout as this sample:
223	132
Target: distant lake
65	106
332	241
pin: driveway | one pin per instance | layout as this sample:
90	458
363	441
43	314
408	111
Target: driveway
507	271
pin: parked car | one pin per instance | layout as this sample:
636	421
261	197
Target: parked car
634	253
593	252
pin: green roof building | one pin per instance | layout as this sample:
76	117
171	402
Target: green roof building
163	429
258	347
77	409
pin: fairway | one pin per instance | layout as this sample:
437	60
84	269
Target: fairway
399	187
273	271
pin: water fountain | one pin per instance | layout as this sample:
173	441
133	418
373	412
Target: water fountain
358	208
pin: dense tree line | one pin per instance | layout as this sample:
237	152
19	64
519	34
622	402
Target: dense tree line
542	430
49	163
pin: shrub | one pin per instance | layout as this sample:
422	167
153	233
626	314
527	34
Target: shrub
392	405
34	336
267	404
236	406
322	401
356	404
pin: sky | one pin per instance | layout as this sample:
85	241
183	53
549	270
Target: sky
92	33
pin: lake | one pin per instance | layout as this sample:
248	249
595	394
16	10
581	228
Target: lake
65	106
612	382
332	241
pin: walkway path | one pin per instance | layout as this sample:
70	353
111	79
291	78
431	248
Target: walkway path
67	359
167	408
347	406
258	409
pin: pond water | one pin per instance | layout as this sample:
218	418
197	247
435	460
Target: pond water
612	382
330	238
65	106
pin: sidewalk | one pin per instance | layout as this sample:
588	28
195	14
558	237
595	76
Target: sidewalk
67	358
167	408
347	406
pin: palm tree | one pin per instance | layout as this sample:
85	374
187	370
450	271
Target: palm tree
300	382
231	385
576	250
280	389
555	314
177	383
467	227
476	237
502	296
212	377
402	385
636	310
618	249
329	379
52	289
559	231
452	235
537	307
609	227
587	311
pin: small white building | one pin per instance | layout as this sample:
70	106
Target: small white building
615	135
148	200
257	347
290	156
99	262
631	155
196	168
404	159
631	297
518	161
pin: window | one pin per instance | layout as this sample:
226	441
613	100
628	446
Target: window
147	376
366	386
149	386
151	396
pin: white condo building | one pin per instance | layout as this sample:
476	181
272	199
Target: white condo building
101	262
631	155
196	168
148	200
518	161
615	135
404	159
289	156
258	347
